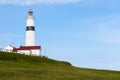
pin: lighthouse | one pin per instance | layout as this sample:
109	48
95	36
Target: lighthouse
30	29
30	48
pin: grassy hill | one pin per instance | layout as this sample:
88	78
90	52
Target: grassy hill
15	66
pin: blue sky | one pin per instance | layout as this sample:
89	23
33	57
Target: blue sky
83	32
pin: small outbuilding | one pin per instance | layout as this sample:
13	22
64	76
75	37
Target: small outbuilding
28	50
8	48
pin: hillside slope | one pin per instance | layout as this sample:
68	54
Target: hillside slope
15	66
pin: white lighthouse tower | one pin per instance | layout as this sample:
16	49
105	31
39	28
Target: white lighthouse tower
30	29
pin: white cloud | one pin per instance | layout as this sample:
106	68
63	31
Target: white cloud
105	3
31	2
84	2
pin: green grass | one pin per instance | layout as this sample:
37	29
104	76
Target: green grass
15	66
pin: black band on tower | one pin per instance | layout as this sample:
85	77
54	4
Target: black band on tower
32	28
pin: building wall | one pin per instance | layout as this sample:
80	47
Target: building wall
30	52
8	49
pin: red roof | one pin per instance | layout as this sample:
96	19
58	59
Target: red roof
27	48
